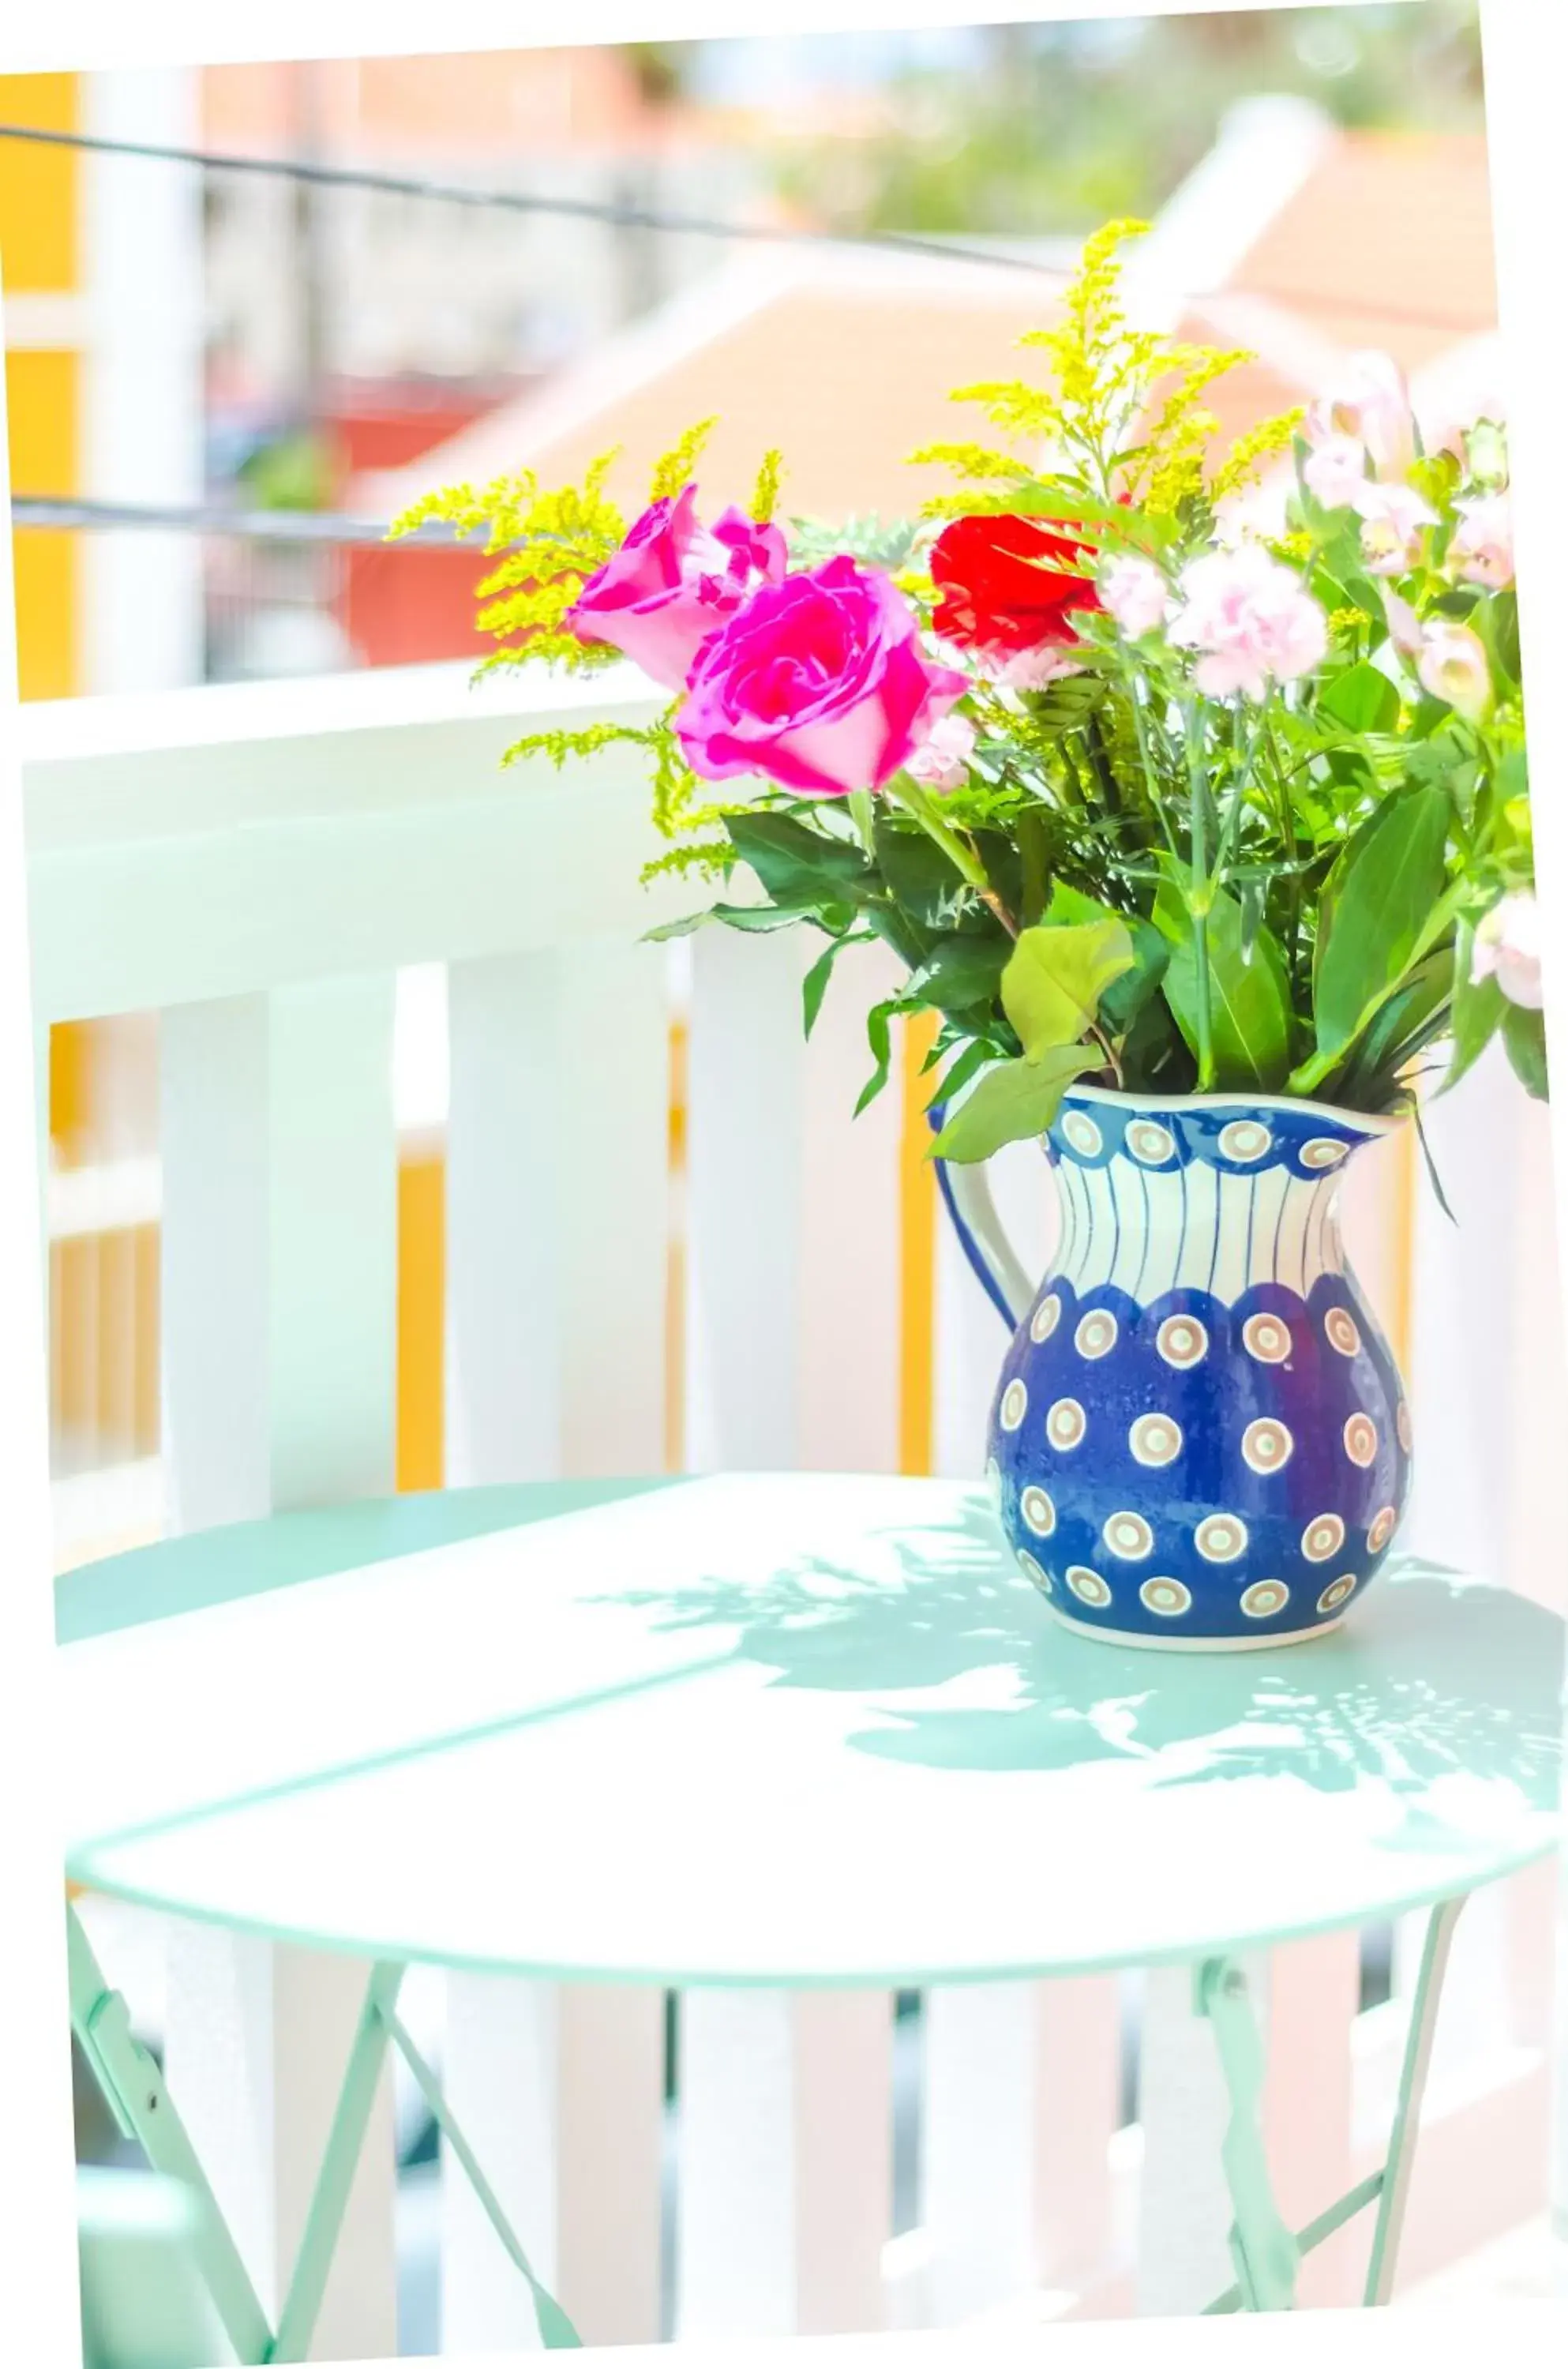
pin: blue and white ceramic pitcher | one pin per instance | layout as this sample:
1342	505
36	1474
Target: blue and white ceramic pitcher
1199	1438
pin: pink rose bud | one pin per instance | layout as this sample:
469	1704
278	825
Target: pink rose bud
1369	401
1404	625
1136	595
1335	471
1483	549
1392	519
672	582
1507	948
942	761
1251	619
1453	667
819	684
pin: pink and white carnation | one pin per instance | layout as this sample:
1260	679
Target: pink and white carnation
942	761
673	582
1507	948
1369	402
1393	518
1251	620
1135	594
1453	667
1483	549
818	682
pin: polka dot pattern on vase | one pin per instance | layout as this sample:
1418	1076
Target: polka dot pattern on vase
1221	1539
1267	1338
1382	1529
1266	1444
1066	1423
1321	1539
1038	1511
1342	1333
1128	1537
1323	1151
1149	1142
1244	1140
1096	1336
1199	1417
1167	1597
1045	1318
1182	1341
1155	1439
1361	1440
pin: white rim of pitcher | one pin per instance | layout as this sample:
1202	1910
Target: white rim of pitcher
1369	1122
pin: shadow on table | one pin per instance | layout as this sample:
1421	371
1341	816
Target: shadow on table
1431	1677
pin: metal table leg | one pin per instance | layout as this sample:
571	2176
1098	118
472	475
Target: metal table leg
133	2088
1267	2253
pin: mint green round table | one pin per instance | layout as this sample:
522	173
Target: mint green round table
787	1729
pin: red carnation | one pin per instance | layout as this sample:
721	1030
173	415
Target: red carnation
996	595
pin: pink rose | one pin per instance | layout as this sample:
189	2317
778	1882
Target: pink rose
672	582
1507	948
942	761
1135	594
1483	549
1252	621
1335	471
818	682
1369	401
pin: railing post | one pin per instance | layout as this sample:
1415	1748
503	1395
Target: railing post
557	1230
278	1308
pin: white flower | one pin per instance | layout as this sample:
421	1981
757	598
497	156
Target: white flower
1507	948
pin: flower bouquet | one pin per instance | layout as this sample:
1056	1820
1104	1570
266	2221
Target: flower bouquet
1189	788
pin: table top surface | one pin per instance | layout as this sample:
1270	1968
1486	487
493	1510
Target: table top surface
793	1728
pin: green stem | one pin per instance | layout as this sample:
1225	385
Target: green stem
1198	903
1150	775
915	802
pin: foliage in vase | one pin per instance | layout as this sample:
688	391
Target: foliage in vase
1148	778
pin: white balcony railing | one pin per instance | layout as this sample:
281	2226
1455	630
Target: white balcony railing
258	865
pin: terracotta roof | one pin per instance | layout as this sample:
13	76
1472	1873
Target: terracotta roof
847	371
1388	242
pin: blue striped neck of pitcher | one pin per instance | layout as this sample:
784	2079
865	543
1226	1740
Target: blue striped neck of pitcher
1238	1135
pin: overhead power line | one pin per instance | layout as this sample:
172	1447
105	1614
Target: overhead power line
71	515
524	201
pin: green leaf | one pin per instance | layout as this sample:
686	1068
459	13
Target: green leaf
814	986
734	917
961	972
919	875
798	865
1054	977
1524	1035
1362	698
879	1036
1412	1017
1385	895
1249	996
1479	1006
1125	997
1012	1101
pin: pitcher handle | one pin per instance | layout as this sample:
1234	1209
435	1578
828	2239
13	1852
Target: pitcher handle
967	1195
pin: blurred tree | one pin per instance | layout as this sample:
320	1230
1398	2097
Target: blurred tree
1059	125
